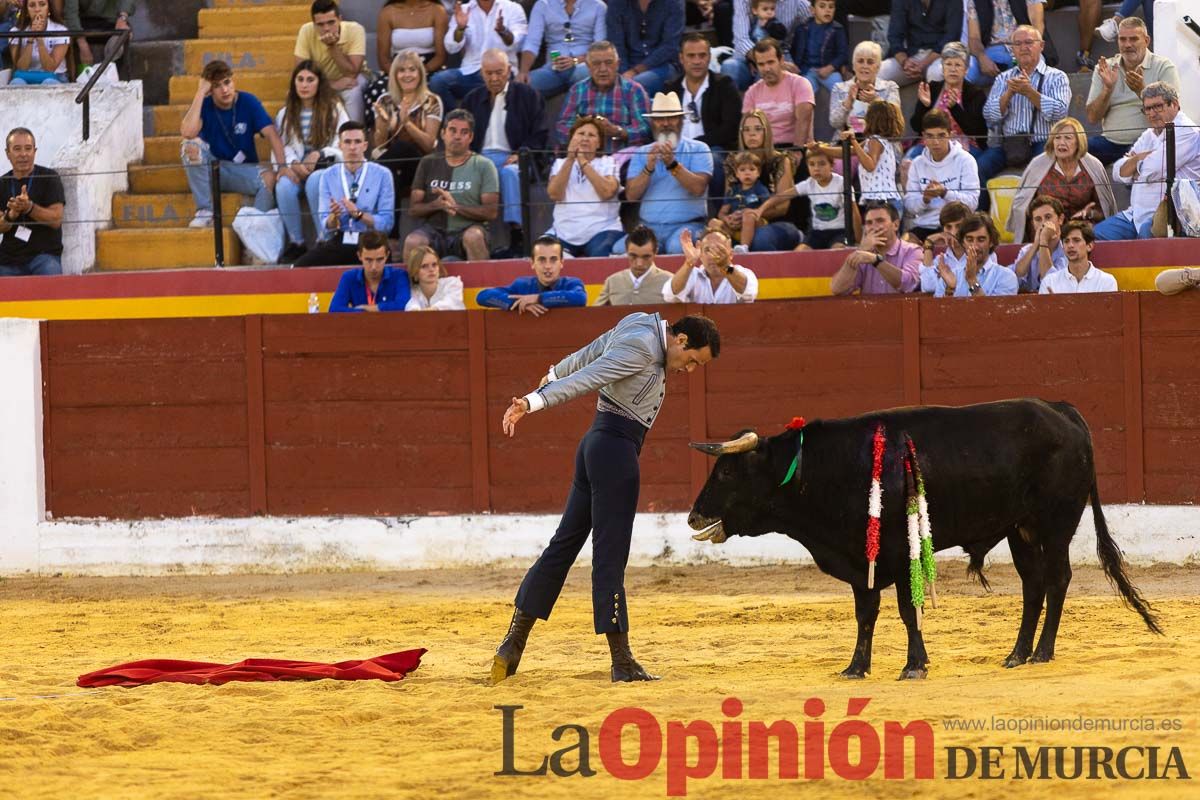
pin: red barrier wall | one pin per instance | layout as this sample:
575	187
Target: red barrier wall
399	414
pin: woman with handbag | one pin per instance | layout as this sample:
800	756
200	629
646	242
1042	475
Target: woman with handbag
407	120
308	123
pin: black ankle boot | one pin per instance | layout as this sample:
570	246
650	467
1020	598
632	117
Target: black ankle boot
624	667
508	654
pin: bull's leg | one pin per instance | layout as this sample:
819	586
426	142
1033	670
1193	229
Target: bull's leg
1028	559
866	611
1058	578
917	665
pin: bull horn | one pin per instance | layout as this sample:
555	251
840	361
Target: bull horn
743	444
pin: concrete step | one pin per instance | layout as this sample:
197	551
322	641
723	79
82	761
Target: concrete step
161	248
253	21
166	119
157	179
164	210
264	53
266	86
165	149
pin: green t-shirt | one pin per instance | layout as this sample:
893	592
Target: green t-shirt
466	183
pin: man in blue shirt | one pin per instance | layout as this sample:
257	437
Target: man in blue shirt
670	178
221	124
566	28
542	291
647	34
375	286
357	196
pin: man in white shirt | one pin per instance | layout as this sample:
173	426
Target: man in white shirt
475	27
707	274
1079	276
1145	166
642	283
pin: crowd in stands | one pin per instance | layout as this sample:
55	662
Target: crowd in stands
708	157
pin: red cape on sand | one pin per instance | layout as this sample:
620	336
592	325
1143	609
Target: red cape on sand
390	667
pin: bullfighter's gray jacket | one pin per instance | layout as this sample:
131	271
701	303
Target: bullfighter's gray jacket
627	364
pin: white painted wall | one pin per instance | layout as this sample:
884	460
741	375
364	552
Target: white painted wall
1176	41
93	170
30	543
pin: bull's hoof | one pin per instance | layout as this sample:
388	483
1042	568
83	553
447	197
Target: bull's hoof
1014	660
854	673
914	674
1041	658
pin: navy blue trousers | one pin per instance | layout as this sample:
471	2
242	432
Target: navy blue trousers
602	502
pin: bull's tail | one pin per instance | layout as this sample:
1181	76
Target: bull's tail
1114	564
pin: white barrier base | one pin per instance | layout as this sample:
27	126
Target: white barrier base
1147	534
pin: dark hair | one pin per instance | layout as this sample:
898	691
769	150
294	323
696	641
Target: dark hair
754	3
813	153
975	222
324	109
700	332
642	236
373	240
351	125
546	240
935	118
745	157
216	71
875	205
19	132
883	118
1083	226
324	7
24	20
460	113
954	211
767	45
694	36
1046	200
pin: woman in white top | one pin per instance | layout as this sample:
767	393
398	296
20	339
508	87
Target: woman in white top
418	25
584	186
849	100
39	60
308	123
432	288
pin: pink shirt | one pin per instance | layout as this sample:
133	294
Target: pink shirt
779	103
904	255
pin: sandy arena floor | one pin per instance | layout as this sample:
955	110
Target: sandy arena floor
772	637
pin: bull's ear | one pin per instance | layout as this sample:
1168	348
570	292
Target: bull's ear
742	444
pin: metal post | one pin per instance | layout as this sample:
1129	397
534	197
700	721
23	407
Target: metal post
214	177
525	167
1172	219
87	116
847	194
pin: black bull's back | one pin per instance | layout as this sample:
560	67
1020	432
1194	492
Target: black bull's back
1016	469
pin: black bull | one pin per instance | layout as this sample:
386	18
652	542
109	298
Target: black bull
1020	470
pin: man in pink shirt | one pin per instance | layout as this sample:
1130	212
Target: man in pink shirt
785	97
883	263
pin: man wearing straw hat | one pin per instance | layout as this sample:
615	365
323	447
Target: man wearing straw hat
669	177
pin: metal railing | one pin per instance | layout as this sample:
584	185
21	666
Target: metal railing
84	97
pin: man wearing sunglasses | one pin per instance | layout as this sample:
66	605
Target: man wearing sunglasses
1145	166
566	28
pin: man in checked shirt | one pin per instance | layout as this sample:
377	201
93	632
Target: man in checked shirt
620	104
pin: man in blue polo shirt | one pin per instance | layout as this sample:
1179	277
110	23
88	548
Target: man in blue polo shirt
545	289
670	178
221	124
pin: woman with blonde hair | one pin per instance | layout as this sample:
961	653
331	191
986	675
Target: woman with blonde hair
407	120
849	100
777	174
308	124
1065	171
432	288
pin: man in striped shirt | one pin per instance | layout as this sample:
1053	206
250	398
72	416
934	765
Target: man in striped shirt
621	104
1027	99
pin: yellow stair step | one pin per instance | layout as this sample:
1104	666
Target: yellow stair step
266	86
167	118
161	248
247	21
165	149
262	53
165	210
157	179
259	3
